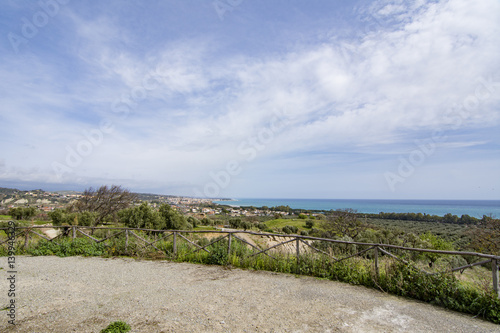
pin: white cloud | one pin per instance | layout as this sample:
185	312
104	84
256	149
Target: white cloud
190	108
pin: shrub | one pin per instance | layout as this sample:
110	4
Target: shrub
262	226
117	327
22	213
66	248
290	229
218	253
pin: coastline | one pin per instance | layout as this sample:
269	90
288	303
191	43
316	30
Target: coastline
474	208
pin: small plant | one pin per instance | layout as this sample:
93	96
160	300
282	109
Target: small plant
117	327
290	229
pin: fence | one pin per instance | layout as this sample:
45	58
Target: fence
297	241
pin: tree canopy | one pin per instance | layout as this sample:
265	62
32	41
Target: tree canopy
105	201
146	216
343	222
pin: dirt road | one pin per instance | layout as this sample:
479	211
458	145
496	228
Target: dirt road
86	294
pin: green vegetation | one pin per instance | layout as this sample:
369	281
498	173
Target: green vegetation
145	216
280	223
23	213
105	202
63	217
117	327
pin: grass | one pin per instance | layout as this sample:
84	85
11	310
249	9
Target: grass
280	223
204	227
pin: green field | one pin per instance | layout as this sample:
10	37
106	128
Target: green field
280	223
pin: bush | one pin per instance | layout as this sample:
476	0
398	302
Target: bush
235	223
67	248
309	224
262	226
193	221
22	213
218	253
61	217
117	327
290	229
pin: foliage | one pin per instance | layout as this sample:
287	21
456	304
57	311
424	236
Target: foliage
173	219
235	223
290	229
434	242
206	221
261	226
62	217
193	221
485	237
105	201
442	289
309	224
67	248
218	253
145	216
447	218
343	222
117	327
23	213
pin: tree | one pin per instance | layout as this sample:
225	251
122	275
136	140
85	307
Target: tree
62	217
485	237
105	201
173	219
343	222
22	213
193	221
235	223
143	216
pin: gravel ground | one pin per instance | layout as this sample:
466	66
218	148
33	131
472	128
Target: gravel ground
86	294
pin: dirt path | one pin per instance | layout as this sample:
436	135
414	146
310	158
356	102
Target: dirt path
85	294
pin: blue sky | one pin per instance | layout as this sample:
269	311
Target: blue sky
238	98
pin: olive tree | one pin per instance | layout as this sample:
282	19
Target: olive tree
105	201
343	222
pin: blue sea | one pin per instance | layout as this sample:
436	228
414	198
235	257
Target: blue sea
475	208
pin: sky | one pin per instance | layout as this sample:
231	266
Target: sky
338	99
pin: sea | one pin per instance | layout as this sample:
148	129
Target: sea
474	208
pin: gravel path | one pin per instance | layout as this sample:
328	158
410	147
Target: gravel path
86	294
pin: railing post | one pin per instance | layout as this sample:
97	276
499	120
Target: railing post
74	233
126	240
26	238
297	249
494	270
229	246
375	260
175	243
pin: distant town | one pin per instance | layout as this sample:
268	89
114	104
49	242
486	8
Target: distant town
198	207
